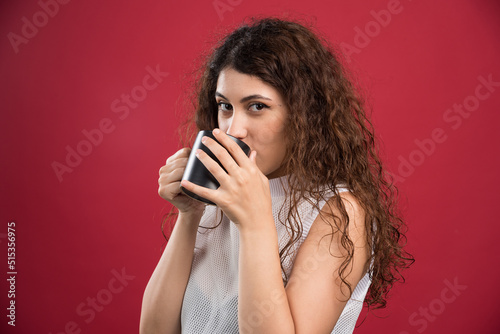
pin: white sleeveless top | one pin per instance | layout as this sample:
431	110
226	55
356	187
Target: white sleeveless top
210	303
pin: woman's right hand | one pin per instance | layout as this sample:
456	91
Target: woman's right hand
170	180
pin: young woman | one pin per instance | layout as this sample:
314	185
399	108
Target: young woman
304	229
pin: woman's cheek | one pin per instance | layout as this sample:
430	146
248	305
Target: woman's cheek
222	125
263	164
260	163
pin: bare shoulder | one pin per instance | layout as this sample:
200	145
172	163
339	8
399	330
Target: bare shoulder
331	222
316	292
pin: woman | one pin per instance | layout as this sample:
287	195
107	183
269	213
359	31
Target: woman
305	228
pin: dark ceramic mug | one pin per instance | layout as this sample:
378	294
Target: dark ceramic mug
197	173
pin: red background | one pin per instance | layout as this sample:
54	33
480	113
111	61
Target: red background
105	214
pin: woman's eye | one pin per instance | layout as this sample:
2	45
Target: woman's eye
258	106
224	106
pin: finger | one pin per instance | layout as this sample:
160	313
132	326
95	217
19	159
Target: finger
203	192
182	153
222	154
176	164
235	151
253	157
212	166
169	191
176	160
173	176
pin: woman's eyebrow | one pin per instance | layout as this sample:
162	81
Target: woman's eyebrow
247	98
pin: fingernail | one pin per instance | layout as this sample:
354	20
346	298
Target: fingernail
203	139
216	131
197	153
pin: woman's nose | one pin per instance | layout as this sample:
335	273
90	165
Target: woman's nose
238	126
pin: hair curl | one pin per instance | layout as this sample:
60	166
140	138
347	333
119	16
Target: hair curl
330	140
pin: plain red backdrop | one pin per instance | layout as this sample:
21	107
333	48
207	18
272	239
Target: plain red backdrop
88	240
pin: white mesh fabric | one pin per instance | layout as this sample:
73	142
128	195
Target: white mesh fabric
211	298
352	309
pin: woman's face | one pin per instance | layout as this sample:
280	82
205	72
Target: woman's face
253	111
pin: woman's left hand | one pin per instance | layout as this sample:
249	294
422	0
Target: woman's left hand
244	193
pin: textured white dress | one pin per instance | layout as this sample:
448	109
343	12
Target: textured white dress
210	303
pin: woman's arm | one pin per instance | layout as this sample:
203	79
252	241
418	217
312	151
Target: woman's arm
263	305
162	301
314	298
317	297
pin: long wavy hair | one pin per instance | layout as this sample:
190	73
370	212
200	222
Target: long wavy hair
330	140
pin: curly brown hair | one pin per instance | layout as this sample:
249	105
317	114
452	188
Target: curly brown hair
330	140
